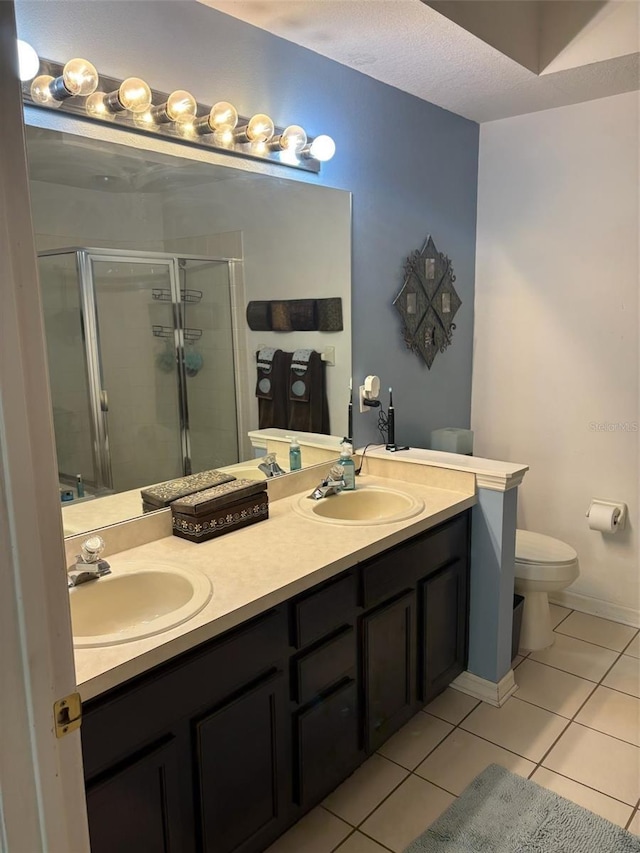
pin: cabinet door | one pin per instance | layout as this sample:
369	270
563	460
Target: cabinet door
389	668
443	629
139	806
242	766
327	747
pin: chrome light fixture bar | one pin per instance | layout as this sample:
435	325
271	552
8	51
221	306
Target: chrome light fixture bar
133	105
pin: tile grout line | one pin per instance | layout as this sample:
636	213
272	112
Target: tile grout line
409	773
574	721
353	832
569	720
386	797
591	642
596	685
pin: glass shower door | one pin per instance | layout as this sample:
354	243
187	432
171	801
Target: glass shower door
140	402
210	364
68	380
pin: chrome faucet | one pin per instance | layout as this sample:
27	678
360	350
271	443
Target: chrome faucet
270	467
332	484
89	565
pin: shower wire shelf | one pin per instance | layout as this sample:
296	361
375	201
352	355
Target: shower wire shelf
163	294
168	332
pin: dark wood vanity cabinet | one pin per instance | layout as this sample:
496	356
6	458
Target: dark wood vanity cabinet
222	748
139	804
442	597
241	760
415	628
389	668
324	691
195	755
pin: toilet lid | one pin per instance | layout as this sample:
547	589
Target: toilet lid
537	548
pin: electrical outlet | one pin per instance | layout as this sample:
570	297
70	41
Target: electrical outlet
363	408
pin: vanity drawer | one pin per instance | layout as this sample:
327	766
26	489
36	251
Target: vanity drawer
325	665
449	541
324	611
386	576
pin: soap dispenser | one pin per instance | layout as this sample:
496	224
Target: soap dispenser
348	466
295	456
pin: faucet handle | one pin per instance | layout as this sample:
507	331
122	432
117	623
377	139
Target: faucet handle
336	472
91	549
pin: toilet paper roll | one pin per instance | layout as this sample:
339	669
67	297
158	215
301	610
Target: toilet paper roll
603	517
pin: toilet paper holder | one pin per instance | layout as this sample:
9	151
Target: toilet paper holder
617	510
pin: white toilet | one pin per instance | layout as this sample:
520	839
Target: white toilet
543	565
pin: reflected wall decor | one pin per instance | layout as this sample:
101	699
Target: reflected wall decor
428	302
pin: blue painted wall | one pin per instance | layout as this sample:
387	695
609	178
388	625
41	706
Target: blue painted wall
412	167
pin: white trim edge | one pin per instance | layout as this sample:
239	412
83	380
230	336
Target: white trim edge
499	482
598	607
493	693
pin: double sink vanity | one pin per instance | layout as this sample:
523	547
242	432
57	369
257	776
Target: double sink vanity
229	686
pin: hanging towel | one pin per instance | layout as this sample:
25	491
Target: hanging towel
308	406
299	379
272	388
264	387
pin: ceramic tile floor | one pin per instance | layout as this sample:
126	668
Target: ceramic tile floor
572	726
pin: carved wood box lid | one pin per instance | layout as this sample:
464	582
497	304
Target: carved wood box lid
165	493
219	497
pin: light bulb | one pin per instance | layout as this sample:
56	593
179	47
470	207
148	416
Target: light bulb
260	128
95	105
41	91
322	148
79	77
28	61
180	107
292	139
133	94
223	117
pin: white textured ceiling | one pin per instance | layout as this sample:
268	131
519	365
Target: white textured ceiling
409	45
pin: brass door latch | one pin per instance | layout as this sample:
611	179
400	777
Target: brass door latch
67	713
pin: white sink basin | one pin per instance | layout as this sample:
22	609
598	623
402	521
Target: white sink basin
366	505
248	472
136	601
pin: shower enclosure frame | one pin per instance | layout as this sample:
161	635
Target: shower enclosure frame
90	329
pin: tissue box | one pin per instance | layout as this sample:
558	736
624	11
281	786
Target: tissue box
452	440
213	512
157	497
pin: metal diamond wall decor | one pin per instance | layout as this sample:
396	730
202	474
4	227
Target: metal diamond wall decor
428	302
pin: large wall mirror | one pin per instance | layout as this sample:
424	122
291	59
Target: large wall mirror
148	257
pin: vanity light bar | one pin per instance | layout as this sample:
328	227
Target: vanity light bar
77	88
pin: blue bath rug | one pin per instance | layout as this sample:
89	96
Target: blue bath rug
500	812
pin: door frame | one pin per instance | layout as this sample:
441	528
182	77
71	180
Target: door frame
43	807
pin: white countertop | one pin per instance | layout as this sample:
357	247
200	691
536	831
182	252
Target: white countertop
489	473
262	565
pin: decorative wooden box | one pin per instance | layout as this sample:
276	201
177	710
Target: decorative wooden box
163	494
230	506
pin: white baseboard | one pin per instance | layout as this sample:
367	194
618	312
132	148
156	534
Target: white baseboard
597	607
493	693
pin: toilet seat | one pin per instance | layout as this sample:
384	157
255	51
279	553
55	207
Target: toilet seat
543	558
538	548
